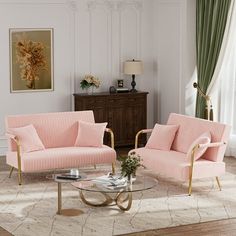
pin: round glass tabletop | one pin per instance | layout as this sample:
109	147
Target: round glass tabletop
140	183
66	177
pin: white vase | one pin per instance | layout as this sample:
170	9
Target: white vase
89	90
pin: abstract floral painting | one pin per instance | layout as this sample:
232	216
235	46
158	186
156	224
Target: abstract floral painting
31	60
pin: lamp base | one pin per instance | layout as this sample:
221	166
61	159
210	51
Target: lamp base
133	84
133	90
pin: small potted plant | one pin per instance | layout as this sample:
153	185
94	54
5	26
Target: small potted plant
89	81
130	164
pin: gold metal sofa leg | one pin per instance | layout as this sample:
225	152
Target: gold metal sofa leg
19	176
190	187
16	140
218	183
19	163
11	170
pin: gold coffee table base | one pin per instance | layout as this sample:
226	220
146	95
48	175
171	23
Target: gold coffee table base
70	212
108	200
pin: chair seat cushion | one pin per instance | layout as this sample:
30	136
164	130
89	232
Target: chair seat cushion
60	158
176	164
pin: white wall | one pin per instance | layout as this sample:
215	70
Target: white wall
36	15
89	37
174	59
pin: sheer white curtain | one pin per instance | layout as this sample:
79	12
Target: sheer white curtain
223	86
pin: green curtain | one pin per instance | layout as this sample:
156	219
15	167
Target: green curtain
211	17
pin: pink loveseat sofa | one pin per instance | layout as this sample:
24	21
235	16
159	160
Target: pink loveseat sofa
175	164
58	132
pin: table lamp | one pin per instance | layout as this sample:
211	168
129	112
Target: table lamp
133	68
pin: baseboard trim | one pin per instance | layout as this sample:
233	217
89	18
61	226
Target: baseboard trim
3	151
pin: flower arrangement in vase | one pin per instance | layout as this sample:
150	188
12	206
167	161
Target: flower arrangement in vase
90	81
130	164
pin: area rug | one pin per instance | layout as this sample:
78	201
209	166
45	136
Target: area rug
30	209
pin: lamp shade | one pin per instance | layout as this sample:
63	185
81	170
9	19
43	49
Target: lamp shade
133	67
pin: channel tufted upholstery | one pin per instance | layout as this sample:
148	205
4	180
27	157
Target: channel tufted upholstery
58	132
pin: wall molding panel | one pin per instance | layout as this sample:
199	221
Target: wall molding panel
171	12
113	34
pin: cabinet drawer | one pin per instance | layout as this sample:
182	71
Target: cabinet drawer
136	101
94	102
116	102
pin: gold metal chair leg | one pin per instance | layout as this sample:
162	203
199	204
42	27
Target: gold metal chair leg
191	169
12	168
113	166
190	180
19	177
218	182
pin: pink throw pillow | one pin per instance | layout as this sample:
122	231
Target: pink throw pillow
162	137
28	138
204	138
90	134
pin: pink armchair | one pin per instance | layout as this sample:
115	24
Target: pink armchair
175	164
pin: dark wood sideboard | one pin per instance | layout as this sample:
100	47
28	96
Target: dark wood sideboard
126	113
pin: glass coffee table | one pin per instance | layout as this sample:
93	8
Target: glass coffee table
121	196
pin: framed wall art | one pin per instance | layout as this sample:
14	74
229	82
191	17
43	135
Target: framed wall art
31	60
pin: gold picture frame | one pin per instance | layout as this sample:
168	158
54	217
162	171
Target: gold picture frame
31	59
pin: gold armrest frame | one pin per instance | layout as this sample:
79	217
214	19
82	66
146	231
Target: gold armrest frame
112	137
143	131
16	140
193	152
112	145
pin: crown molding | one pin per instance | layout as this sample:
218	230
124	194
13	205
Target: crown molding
73	5
115	4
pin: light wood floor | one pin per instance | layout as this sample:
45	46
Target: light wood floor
214	228
3	232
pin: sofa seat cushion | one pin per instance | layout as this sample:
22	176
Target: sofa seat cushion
176	164
60	158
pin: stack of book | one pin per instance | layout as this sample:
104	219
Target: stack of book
68	176
111	181
122	90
